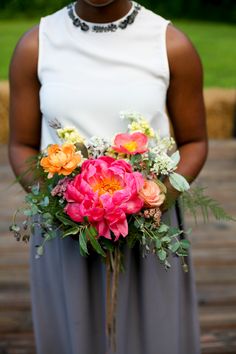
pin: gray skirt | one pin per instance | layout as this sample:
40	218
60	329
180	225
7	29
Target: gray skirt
156	310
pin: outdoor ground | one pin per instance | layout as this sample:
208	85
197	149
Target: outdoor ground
214	41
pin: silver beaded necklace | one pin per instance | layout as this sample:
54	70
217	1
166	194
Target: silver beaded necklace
111	27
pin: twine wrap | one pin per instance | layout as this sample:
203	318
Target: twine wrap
113	264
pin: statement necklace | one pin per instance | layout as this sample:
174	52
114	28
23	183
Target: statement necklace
111	27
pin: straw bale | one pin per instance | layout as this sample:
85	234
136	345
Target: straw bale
4	108
221	109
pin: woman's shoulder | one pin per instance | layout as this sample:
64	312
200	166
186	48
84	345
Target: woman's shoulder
180	49
28	44
26	50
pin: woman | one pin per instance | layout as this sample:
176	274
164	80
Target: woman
83	65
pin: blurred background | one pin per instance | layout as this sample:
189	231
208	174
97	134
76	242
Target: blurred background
210	24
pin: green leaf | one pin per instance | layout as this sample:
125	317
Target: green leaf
109	245
35	189
161	185
174	231
158	243
83	243
50	235
92	231
40	251
47	216
174	247
73	231
182	253
64	220
34	210
185	244
162	254
195	200
95	243
44	202
163	228
27	212
179	182
15	228
175	157
166	239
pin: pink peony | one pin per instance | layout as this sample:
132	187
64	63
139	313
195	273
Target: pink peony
105	192
131	144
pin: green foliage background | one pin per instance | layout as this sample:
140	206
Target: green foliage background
220	10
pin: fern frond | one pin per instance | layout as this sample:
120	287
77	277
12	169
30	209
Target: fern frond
195	200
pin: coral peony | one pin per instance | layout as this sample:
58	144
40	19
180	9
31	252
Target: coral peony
152	194
105	191
131	144
61	160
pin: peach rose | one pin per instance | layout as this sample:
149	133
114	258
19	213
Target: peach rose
152	194
61	160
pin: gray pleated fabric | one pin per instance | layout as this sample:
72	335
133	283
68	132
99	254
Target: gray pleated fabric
157	312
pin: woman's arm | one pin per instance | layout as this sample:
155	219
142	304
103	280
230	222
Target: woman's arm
185	103
25	116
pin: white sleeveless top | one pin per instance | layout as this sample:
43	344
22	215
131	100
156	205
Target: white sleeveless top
87	78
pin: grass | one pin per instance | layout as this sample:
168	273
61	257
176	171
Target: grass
216	46
215	43
10	32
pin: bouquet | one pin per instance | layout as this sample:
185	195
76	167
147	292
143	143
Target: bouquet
108	195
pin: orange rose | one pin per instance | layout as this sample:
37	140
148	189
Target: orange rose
61	160
152	194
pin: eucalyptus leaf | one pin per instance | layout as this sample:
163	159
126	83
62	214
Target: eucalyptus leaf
15	228
162	254
163	228
27	212
158	243
44	202
179	182
40	251
175	157
35	189
166	239
34	210
185	244
174	246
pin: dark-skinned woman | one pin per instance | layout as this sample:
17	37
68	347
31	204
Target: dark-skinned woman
83	65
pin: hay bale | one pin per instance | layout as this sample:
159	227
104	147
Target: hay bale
4	109
220	108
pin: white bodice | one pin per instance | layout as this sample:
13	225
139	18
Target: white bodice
87	78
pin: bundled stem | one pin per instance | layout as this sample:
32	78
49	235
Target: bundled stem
113	262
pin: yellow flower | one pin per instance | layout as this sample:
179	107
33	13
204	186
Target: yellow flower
70	135
142	126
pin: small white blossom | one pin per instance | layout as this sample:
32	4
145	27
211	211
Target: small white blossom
97	146
162	163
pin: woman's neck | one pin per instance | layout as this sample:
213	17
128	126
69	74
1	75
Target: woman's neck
94	11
